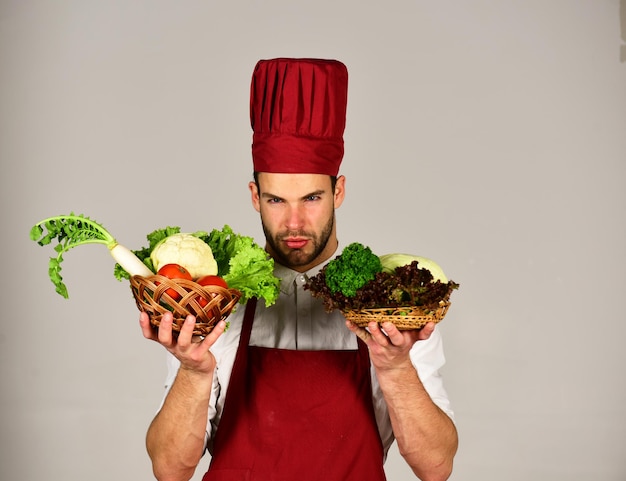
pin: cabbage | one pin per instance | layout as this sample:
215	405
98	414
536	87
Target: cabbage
391	261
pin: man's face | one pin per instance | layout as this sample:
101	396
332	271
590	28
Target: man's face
298	216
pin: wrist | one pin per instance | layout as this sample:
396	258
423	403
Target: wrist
403	374
194	376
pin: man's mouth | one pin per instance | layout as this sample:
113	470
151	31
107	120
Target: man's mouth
295	242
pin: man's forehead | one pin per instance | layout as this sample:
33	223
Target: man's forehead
293	182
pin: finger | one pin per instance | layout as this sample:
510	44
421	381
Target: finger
185	336
146	326
215	333
360	332
393	333
165	329
377	334
426	331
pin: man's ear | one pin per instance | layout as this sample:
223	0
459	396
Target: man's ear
340	191
254	192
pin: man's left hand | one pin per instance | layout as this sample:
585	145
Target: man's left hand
389	347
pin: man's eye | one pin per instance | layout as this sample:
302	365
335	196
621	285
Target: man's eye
274	200
312	197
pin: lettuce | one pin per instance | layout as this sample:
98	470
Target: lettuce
355	267
244	265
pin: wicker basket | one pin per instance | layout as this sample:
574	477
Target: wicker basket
404	318
158	294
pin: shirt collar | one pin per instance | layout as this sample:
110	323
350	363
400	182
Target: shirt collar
288	276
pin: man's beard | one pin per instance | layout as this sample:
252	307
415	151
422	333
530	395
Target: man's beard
295	257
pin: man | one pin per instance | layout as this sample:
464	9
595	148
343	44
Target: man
290	392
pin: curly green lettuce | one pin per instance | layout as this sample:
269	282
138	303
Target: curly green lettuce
348	272
244	265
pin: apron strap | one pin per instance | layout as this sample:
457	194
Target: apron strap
239	371
248	319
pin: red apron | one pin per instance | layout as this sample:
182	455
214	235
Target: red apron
297	415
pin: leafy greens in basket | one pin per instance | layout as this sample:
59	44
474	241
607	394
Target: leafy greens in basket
359	279
242	263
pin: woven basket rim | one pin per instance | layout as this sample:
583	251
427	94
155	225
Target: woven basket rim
209	304
405	317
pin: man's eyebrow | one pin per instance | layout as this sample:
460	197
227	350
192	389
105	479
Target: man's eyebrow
315	193
269	195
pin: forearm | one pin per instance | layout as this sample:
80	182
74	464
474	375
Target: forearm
426	436
175	439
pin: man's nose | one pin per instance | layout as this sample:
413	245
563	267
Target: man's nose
295	218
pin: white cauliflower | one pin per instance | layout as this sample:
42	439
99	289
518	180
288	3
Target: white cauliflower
186	250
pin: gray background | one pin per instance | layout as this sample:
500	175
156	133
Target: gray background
487	135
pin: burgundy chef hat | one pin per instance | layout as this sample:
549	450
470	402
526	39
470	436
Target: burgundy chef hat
298	115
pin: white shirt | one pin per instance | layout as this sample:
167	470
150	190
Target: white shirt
299	321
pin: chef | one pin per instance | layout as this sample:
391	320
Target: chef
289	391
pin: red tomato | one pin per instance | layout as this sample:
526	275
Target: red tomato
210	280
174	271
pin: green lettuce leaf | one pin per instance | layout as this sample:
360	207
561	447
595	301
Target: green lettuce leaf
244	265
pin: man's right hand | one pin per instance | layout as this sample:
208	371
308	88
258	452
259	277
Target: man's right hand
192	352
